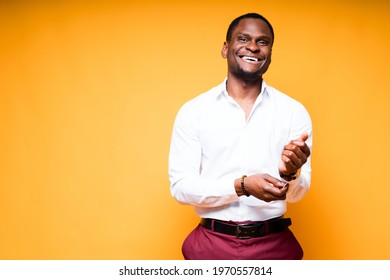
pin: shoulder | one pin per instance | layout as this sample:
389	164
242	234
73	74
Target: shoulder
199	103
284	101
193	113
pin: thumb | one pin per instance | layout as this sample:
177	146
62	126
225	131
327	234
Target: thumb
274	181
304	136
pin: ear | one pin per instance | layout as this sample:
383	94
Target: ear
224	50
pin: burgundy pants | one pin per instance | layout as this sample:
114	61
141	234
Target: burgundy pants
205	244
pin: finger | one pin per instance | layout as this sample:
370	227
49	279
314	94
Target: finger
283	197
292	160
297	154
283	191
289	168
279	194
297	142
305	136
274	182
301	139
272	193
305	149
302	145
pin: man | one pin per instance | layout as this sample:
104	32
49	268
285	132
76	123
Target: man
239	152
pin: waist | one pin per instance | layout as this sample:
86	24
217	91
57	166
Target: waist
255	209
246	230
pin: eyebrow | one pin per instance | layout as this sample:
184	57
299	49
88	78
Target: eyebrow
260	37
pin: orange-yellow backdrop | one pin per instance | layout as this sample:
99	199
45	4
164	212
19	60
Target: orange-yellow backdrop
88	96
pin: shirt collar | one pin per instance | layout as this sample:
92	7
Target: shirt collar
222	91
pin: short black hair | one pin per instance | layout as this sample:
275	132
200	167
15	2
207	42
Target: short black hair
236	21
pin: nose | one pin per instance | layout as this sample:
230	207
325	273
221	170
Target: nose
252	46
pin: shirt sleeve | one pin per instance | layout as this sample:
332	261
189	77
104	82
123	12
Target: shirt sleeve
186	183
300	123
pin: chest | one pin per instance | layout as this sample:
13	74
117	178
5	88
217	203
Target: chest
229	130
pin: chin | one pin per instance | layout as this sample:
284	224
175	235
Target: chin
249	76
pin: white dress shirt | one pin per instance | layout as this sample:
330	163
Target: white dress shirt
213	144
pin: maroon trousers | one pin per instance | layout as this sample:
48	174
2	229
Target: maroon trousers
205	244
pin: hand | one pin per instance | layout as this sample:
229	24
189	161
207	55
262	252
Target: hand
294	155
264	187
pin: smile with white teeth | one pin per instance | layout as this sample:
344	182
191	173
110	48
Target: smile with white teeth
250	59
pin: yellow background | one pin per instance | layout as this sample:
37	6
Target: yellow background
89	93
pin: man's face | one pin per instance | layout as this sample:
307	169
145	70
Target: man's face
248	53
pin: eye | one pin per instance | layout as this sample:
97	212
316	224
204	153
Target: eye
242	39
263	43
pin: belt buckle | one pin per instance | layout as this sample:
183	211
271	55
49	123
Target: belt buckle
250	231
239	232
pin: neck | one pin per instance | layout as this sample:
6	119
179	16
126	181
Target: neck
244	92
239	89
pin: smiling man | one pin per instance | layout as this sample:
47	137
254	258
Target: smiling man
239	152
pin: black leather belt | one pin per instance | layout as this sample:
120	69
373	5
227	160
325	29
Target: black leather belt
244	231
